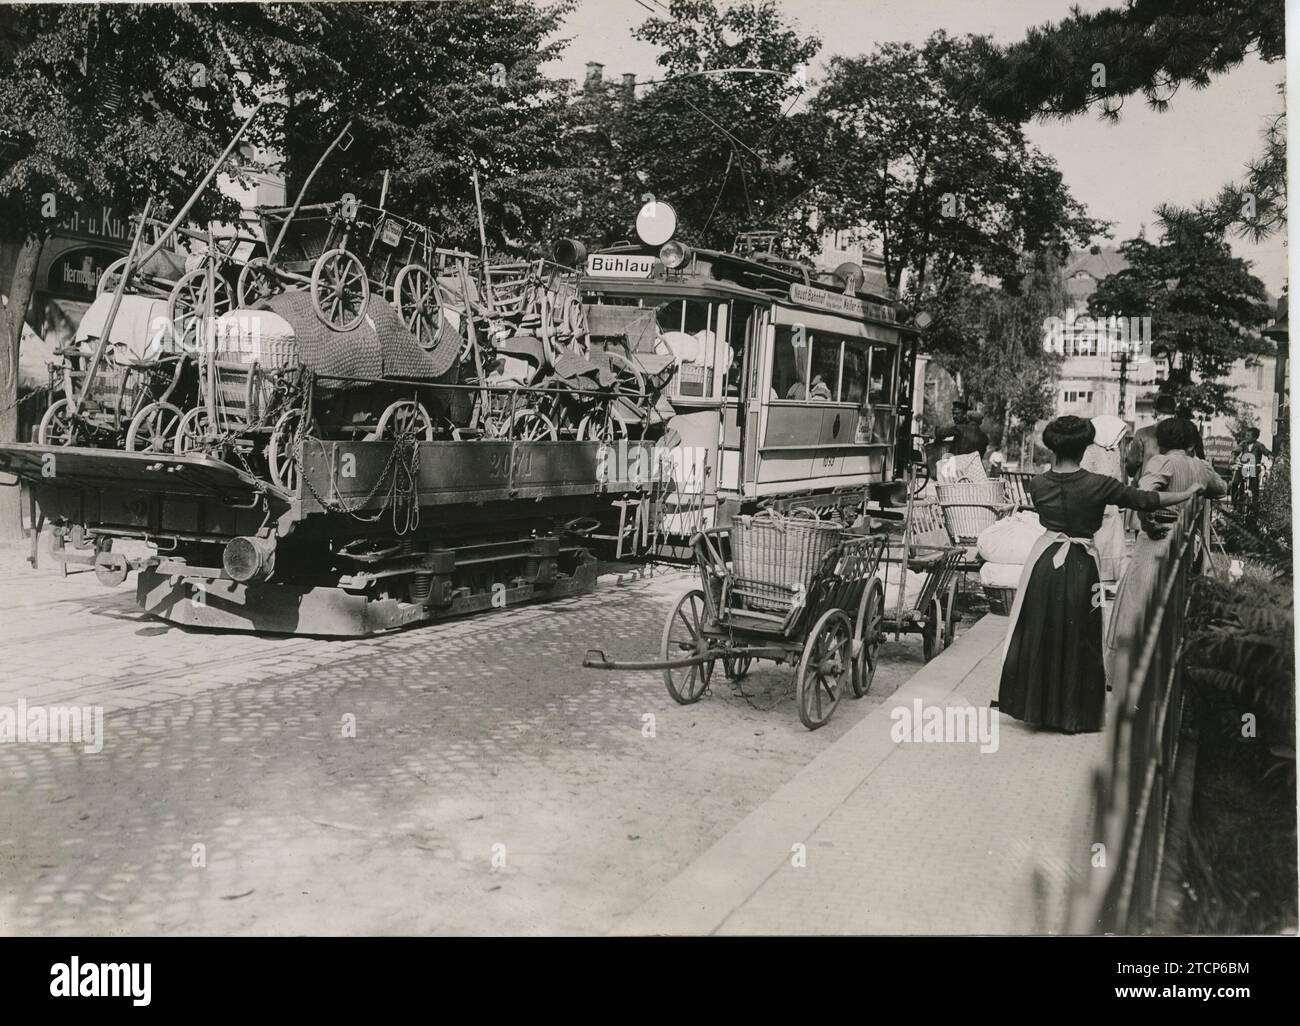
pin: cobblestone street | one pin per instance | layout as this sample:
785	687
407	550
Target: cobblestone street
492	786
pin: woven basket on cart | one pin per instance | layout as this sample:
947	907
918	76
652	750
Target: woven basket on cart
774	558
965	522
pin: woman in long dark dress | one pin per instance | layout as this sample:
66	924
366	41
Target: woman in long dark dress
1053	673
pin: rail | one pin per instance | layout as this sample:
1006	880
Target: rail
1132	784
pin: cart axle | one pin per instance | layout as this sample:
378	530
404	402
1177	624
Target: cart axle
597	660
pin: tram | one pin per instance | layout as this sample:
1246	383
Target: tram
791	388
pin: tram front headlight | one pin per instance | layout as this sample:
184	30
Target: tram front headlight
674	255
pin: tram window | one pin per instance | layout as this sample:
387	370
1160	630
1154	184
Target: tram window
825	378
882	375
688	327
853	386
742	316
790	363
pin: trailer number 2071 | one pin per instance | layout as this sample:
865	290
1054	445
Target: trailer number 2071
500	460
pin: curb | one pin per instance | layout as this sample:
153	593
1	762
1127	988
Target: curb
705	894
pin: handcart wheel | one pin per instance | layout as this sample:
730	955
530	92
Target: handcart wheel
827	655
415	294
340	289
684	636
188	304
282	450
736	667
601	427
950	620
256	282
403	419
57	426
868	636
194	429
108	280
152	427
932	631
630	384
532	426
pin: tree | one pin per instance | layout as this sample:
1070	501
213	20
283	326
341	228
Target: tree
714	136
1205	306
941	185
434	92
993	338
1256	207
1095	60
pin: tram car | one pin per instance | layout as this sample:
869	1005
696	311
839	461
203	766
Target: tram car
789	387
319	480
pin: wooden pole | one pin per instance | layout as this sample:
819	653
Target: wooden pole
472	335
482	225
194	196
100	349
303	191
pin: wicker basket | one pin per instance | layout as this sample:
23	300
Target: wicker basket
1000	599
774	558
966	522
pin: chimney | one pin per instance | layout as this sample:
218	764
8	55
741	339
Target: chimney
594	69
629	80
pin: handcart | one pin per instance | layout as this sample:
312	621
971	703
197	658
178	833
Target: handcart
813	597
931	611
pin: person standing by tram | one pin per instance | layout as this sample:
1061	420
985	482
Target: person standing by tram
964	433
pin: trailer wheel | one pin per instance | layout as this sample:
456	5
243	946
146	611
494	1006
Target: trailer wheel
57	426
403	419
340	290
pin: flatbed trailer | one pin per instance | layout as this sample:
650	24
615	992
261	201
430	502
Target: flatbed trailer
375	535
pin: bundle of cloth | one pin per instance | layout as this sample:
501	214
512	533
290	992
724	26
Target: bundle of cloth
377	348
966	467
1005	546
896	594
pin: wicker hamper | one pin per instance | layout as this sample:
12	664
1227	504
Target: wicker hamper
774	558
965	522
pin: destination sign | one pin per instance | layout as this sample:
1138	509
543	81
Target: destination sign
604	265
806	295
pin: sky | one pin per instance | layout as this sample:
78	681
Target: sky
1121	172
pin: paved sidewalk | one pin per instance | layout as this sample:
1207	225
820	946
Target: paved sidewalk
903	837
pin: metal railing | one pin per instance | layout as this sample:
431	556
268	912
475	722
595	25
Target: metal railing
1132	783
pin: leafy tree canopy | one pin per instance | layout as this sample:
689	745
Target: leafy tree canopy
942	186
1205	306
1094	61
715	135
